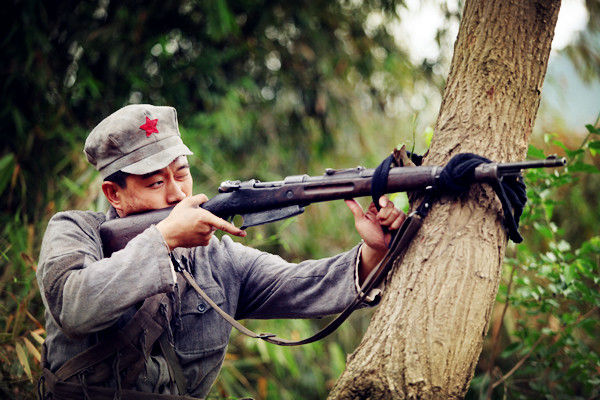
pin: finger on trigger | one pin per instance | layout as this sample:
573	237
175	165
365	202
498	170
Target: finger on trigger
225	226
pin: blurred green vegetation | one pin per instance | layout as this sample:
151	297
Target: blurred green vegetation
266	89
543	339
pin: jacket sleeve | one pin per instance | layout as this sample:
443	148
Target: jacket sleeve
274	288
85	292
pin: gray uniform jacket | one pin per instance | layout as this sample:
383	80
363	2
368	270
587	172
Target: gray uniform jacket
85	293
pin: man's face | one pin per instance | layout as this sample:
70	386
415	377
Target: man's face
163	188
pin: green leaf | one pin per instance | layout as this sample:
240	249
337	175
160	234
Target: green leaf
594	145
593	130
573	153
511	349
338	358
570	274
290	363
400	200
221	21
73	187
7	163
534	152
547	331
583	167
428	135
544	230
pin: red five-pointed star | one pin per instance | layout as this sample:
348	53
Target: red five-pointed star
150	126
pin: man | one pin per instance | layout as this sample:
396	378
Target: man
127	325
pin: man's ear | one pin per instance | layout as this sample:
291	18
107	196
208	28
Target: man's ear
112	192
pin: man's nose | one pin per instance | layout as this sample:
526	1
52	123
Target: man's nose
175	192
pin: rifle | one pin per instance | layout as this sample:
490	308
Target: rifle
265	202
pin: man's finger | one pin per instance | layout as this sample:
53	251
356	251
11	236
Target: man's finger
387	212
355	208
221	224
384	202
398	222
373	209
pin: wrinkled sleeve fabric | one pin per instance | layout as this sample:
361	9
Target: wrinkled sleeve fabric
271	287
85	292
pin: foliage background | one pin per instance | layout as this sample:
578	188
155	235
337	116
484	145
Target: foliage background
266	89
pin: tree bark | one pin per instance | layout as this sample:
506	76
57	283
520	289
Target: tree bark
426	336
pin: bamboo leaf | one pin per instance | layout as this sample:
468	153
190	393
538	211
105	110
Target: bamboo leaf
33	350
35	320
36	336
9	321
6	170
22	356
72	186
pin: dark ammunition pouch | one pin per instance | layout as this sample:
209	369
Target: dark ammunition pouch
119	356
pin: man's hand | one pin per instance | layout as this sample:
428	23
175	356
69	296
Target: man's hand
369	227
188	225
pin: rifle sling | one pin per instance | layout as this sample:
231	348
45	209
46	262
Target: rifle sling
399	244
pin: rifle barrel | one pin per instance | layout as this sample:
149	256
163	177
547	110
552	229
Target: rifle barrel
550	162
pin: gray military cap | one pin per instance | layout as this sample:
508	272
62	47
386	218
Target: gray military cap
137	139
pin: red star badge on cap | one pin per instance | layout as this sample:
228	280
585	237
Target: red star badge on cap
150	126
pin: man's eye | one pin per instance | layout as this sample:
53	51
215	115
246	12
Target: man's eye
155	184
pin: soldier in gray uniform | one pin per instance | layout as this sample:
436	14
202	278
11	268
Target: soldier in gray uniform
127	325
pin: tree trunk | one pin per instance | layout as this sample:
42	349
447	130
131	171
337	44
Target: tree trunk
426	336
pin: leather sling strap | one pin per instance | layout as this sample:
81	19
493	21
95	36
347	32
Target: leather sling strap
399	244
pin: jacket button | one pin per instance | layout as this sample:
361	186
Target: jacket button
201	307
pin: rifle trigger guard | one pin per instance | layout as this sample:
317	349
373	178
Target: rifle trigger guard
265	217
